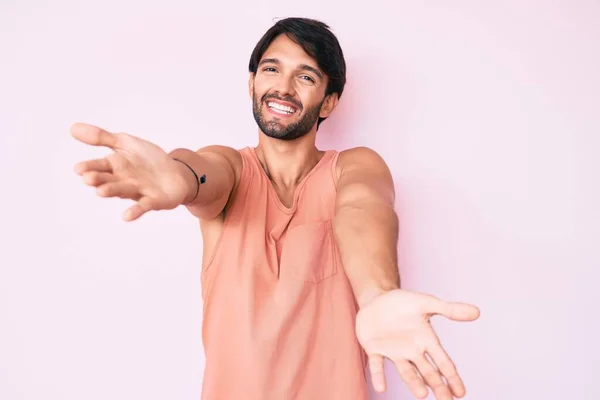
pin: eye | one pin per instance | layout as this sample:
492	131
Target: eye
307	78
270	69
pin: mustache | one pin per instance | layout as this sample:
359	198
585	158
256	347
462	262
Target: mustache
288	99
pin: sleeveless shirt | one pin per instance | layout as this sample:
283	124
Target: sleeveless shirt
278	309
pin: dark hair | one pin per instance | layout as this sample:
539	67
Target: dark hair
317	40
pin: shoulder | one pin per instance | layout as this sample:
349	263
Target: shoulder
229	153
360	159
363	174
227	156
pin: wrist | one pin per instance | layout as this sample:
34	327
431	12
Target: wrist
371	292
190	180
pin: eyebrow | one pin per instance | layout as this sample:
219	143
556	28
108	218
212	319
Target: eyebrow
304	67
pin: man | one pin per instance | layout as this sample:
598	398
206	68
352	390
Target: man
299	279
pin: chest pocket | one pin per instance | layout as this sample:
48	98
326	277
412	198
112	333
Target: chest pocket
308	253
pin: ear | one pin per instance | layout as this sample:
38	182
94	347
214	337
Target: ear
251	84
329	105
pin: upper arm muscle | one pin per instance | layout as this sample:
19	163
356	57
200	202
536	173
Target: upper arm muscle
364	177
228	164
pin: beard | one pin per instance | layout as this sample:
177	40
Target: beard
277	130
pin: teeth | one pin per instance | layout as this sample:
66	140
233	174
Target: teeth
280	107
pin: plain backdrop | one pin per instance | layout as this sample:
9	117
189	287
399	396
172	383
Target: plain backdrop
487	113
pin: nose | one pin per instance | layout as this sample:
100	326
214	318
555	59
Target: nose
285	86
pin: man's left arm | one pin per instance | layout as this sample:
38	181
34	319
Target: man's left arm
366	224
366	231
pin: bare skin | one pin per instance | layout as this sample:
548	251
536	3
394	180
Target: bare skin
392	322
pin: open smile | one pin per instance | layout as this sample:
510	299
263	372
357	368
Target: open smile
281	109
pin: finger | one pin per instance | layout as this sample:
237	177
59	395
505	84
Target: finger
94	178
456	311
411	377
137	210
377	372
433	378
447	368
100	165
93	135
461	311
124	190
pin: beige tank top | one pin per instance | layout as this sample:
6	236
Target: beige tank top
279	311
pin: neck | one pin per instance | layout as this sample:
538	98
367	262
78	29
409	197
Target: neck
288	162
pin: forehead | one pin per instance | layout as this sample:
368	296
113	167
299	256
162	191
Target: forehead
289	52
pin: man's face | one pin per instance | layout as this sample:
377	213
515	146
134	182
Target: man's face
288	91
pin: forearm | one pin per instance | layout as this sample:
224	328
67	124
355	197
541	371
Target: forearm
367	235
208	190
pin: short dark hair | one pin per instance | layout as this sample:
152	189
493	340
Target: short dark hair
317	40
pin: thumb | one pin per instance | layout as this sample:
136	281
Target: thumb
457	311
93	135
377	372
137	210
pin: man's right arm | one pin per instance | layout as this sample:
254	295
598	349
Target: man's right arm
220	168
143	172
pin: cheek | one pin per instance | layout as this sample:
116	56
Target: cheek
263	83
257	95
310	96
311	102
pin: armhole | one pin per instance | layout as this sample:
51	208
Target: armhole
334	174
232	207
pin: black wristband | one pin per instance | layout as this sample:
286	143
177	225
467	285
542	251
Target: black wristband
195	175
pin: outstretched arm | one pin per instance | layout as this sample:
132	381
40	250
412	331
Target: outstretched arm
392	323
366	224
143	172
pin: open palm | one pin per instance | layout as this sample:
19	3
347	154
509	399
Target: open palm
137	169
395	325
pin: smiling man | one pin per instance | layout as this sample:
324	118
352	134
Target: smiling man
299	278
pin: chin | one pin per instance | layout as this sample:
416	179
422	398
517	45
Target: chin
283	127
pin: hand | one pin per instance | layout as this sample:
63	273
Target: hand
137	170
395	325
